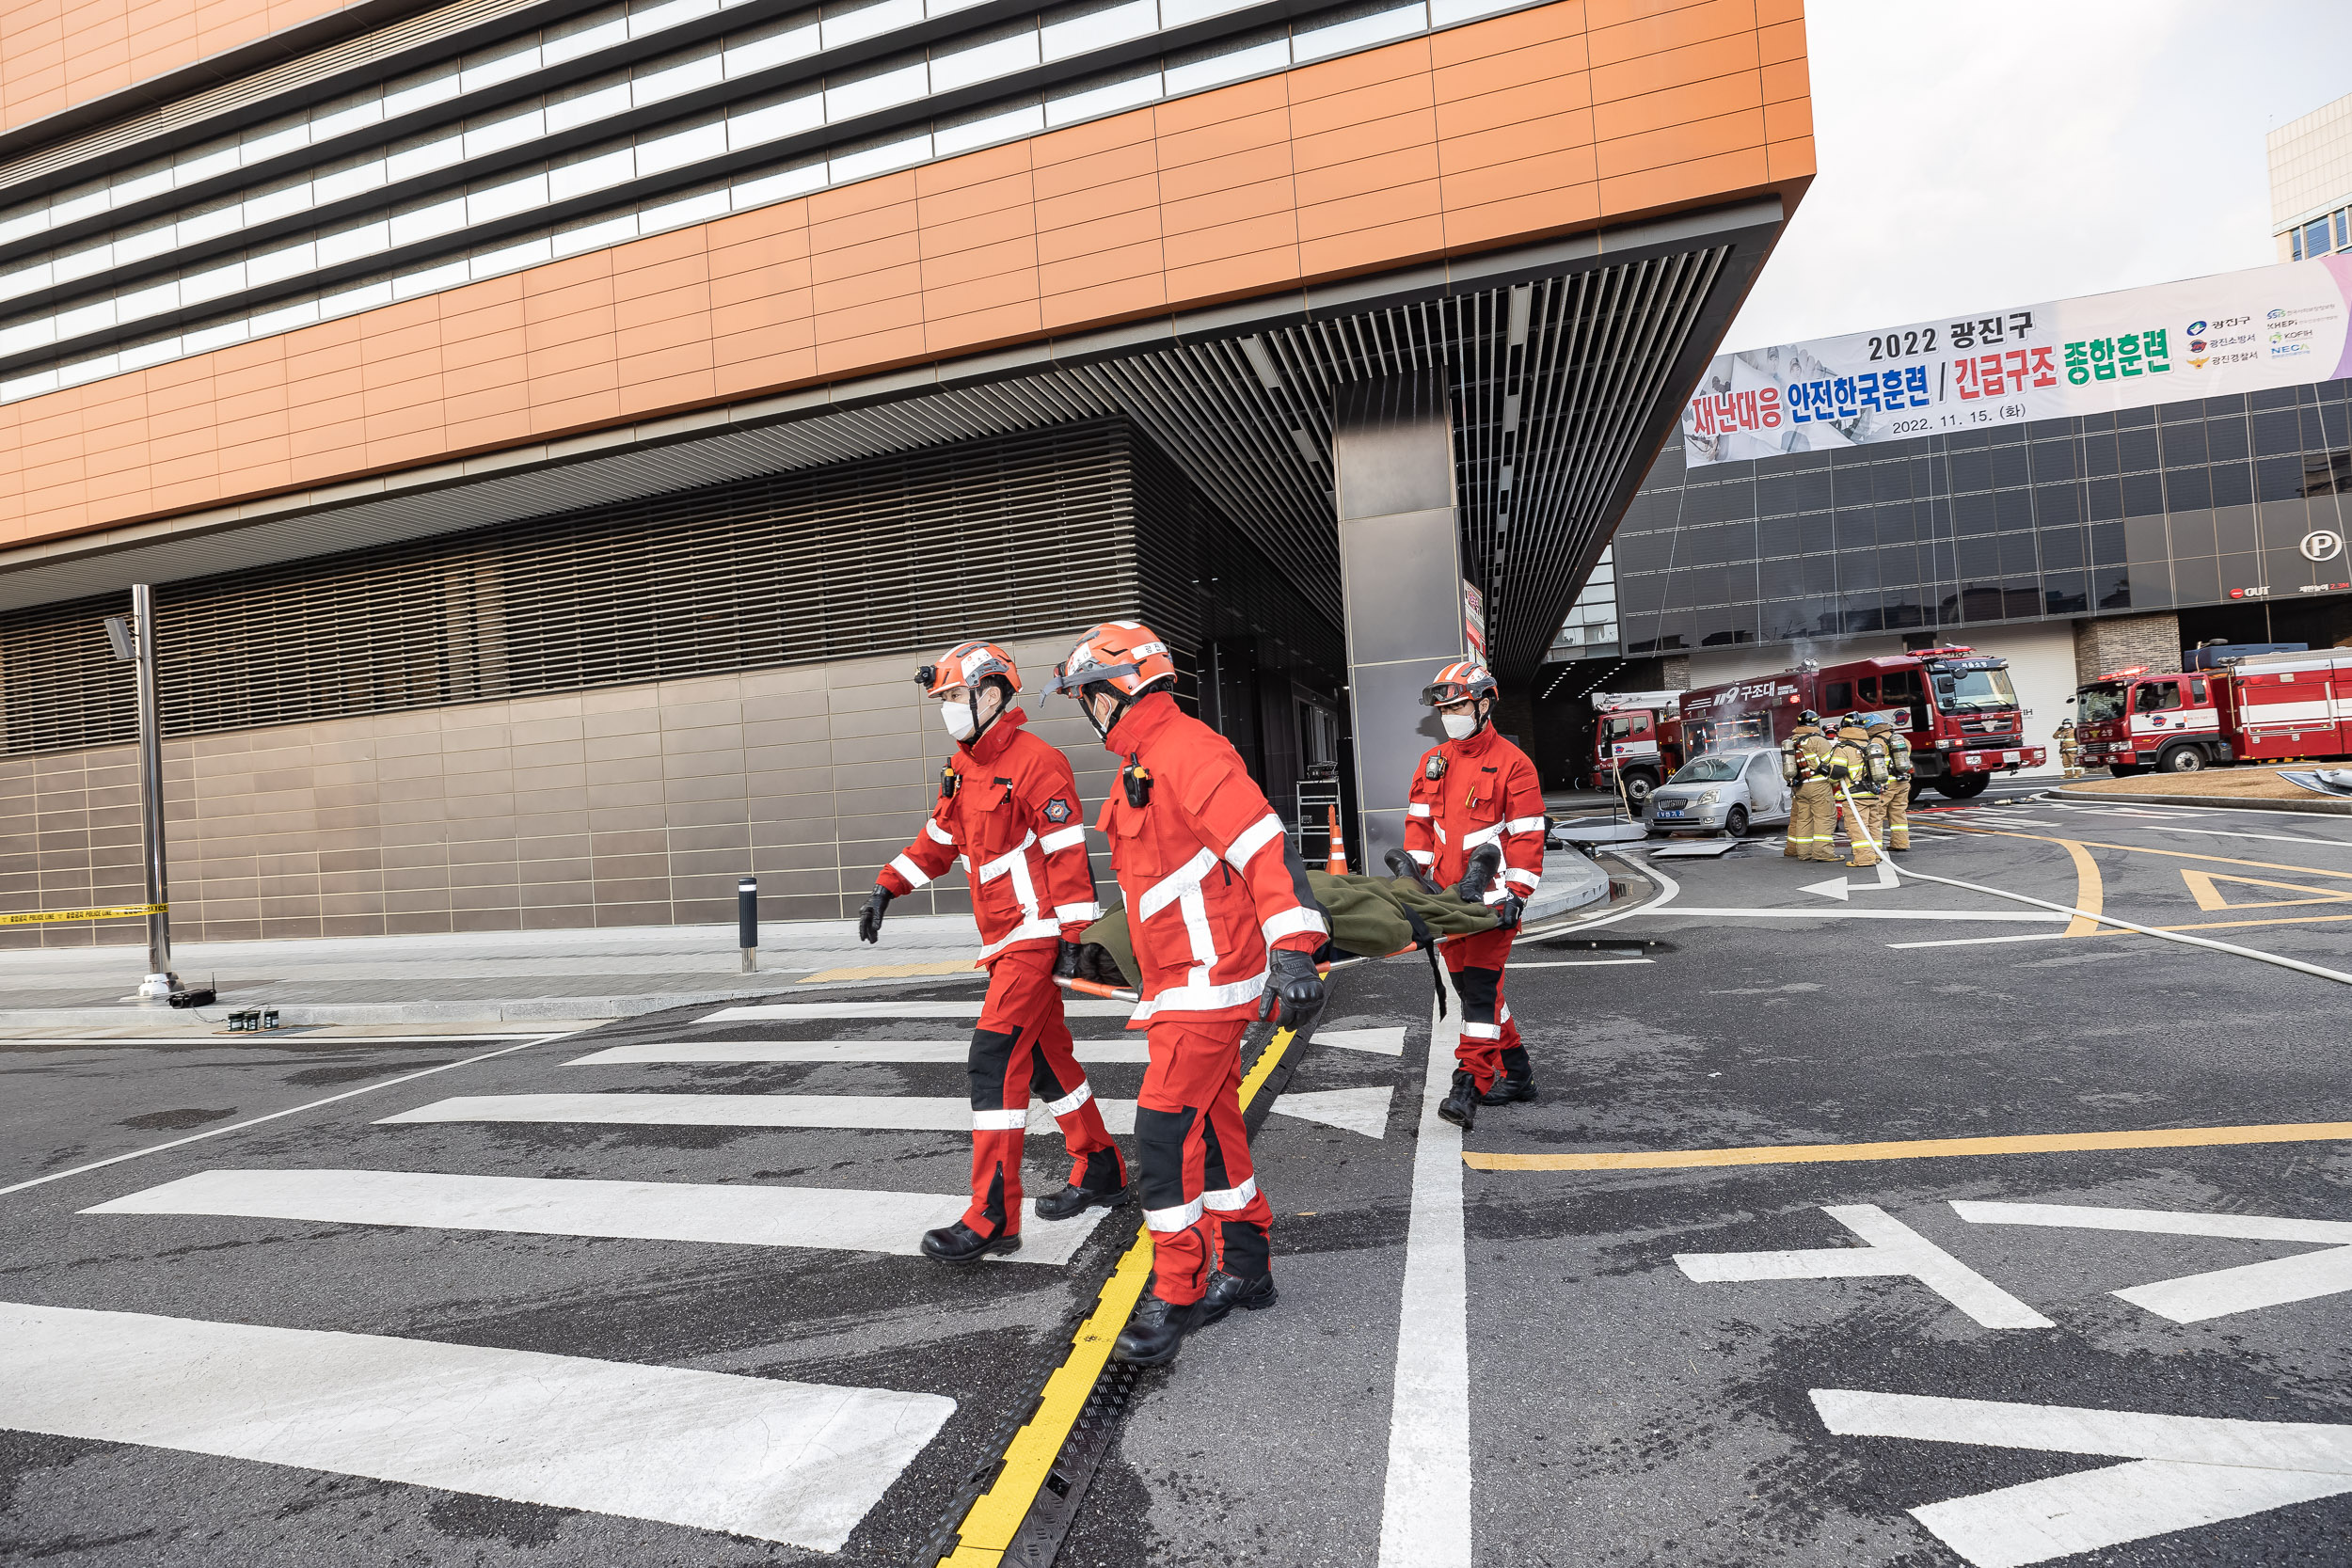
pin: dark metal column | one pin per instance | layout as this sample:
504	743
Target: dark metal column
160	982
1401	571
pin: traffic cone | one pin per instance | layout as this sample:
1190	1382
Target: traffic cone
1337	864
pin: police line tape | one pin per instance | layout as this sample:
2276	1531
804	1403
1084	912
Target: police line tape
45	917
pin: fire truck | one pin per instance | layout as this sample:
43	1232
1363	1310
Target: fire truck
2268	708
1955	704
1640	731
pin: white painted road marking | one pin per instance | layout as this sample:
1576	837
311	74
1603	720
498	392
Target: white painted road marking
1840	888
2194	1298
1383	1042
1577	963
1132	1052
1425	1505
881	1113
860	1220
824	1012
798	1462
1847	915
1981	941
1364	1111
1895	1249
2190	1470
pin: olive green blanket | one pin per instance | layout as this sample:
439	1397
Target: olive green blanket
1369	917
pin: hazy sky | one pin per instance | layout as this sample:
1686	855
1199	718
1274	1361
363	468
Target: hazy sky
1982	153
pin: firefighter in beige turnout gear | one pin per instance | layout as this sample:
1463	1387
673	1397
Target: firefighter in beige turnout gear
1812	800
1858	766
2070	750
1894	813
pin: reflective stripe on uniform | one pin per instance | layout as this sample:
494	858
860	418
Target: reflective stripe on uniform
1480	1031
1483	835
1291	922
1523	879
1173	1219
1524	825
1000	1122
1251	839
1067	838
915	874
1176	884
1416	809
937	836
1202	999
1424	857
1071	1101
1230	1198
1070	914
1029	931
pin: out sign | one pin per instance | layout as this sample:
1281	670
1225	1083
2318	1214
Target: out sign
2322	544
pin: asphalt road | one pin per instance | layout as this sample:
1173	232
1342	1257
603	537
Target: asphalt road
1508	1358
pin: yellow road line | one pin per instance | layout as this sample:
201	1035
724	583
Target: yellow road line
2144	850
988	1527
888	971
45	917
2088	891
1922	1149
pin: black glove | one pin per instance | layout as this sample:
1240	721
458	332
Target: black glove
1507	913
1477	871
1294	991
1402	864
869	919
1089	960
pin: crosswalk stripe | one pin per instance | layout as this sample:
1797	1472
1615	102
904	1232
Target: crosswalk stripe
822	1012
860	1221
884	1113
1099	1053
797	1462
1384	1043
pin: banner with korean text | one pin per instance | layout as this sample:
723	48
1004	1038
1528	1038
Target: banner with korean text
2207	337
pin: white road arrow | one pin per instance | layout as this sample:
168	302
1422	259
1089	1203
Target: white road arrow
2186	1470
1838	887
2193	1298
1895	1249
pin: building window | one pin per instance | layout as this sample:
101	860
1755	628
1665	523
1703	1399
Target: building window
2344	227
2315	237
2294	245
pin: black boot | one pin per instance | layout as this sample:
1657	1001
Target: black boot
1153	1335
1460	1106
1518	1080
960	1244
1105	1186
1228	1291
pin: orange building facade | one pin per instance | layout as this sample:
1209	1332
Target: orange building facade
551	431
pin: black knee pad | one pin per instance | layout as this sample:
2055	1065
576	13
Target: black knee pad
1042	1083
1477	988
991	1054
1160	1149
1247	1252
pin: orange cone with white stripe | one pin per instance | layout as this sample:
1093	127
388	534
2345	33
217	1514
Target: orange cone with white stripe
1337	864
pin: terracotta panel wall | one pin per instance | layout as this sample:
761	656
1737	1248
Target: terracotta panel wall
55	53
622	806
1562	118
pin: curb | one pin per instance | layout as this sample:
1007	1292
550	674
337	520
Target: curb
2317	804
565	1009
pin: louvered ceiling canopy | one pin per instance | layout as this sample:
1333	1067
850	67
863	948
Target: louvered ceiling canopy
1567	364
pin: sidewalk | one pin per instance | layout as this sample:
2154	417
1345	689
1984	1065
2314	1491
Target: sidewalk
501	976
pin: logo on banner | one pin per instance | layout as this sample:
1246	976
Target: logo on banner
2322	544
2195	328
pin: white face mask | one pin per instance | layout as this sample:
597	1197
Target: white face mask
958	717
1459	726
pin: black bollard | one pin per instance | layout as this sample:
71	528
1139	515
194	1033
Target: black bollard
747	922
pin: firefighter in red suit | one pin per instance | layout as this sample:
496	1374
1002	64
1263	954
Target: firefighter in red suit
1212	882
1008	808
1475	824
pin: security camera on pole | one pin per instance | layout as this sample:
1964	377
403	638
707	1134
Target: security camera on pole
134	642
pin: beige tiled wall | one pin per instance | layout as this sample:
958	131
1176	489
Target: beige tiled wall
626	806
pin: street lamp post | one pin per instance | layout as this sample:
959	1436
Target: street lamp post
136	643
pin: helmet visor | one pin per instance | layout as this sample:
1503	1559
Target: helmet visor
1069	682
1444	692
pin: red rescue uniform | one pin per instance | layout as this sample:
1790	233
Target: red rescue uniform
1210	881
1008	810
1466	793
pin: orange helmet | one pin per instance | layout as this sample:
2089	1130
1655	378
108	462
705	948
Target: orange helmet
1458	682
1126	655
968	664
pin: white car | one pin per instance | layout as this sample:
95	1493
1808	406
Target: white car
1728	791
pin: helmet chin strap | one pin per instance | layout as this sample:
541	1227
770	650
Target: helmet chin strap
1004	701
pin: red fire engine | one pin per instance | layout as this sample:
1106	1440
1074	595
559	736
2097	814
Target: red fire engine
1640	731
2268	708
1955	704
